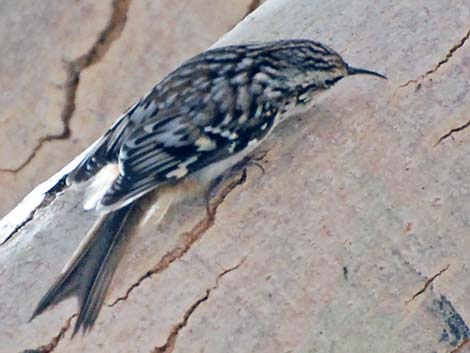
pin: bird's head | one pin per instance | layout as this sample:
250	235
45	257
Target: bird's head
321	67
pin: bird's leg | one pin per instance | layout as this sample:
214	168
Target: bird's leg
258	155
252	162
254	159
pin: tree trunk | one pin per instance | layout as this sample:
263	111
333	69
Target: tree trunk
354	239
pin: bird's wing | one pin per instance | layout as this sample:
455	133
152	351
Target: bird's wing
185	87
181	142
210	108
106	148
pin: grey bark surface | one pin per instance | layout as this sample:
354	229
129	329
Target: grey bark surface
355	238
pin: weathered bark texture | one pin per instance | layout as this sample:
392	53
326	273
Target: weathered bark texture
356	237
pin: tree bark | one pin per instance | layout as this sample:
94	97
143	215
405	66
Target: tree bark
354	239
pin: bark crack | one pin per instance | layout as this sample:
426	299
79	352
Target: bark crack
169	345
436	67
427	283
74	68
49	347
187	239
451	132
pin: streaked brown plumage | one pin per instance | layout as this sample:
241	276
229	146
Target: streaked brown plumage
196	123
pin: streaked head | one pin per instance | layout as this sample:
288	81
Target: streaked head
325	67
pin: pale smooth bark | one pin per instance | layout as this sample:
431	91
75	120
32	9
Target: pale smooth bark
355	239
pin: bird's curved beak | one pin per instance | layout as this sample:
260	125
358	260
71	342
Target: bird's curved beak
358	71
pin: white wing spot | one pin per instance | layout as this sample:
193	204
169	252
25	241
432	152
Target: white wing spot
99	185
204	143
261	76
242	119
214	130
171	99
258	112
240	78
177	173
232	147
199	81
233	136
245	62
270	70
182	169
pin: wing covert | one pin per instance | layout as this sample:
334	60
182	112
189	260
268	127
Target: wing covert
202	113
181	143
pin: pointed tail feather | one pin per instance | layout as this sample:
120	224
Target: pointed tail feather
90	271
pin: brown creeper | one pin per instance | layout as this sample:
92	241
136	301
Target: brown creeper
200	120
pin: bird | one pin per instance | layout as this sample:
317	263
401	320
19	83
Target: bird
198	122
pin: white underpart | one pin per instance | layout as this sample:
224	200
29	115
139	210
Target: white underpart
99	185
211	172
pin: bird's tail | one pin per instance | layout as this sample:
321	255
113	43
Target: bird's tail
89	272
